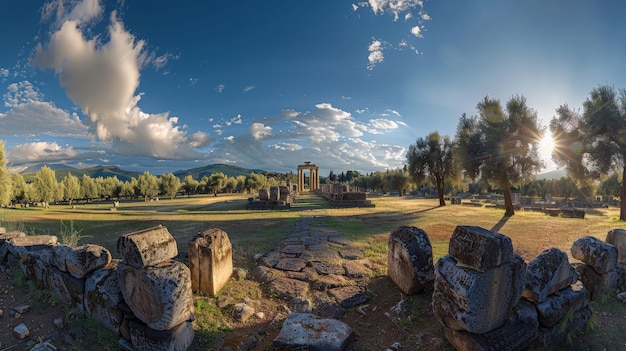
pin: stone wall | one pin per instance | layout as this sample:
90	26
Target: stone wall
145	297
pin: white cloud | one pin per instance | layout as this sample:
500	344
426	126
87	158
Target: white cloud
20	93
4	72
220	88
259	130
193	81
408	16
381	123
417	31
393	112
102	78
247	89
160	61
376	54
394	7
36	117
82	12
39	151
230	139
425	16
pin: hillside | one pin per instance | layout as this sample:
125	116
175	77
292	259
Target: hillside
228	170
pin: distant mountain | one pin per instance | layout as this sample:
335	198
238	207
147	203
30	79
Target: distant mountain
53	166
98	171
556	174
228	170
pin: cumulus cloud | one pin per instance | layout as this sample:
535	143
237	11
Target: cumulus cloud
259	130
102	78
39	151
20	93
36	117
417	31
220	88
247	89
394	7
381	123
376	55
4	72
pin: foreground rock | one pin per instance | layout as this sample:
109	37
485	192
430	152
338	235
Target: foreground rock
310	332
410	260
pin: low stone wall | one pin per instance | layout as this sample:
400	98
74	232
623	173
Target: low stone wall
487	298
146	297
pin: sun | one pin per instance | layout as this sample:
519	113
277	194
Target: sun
546	145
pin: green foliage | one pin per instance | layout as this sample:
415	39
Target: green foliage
5	180
69	234
148	185
46	185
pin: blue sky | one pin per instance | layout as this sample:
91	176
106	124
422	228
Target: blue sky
163	86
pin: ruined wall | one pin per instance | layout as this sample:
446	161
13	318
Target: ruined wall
145	297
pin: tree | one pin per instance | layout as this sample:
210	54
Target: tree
501	146
148	185
5	180
46	185
71	188
431	158
216	182
256	182
190	185
89	188
170	184
399	180
594	143
20	189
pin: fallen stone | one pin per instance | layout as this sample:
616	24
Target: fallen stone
322	267
617	238
4	236
144	338
242	312
480	248
147	247
518	331
474	301
596	284
410	260
270	259
58	256
302	330
556	336
286	288
329	309
210	261
601	256
69	289
300	305
291	264
84	260
554	309
263	274
349	296
547	274
21	331
355	269
103	297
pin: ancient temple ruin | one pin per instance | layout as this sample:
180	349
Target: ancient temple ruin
314	178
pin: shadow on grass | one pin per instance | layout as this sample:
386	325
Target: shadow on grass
500	224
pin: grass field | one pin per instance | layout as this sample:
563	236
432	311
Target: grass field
258	231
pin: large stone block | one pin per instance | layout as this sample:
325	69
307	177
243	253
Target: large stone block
596	284
147	247
617	238
103	297
547	274
83	260
475	301
480	248
307	331
518	331
210	261
69	289
554	309
601	256
159	296
410	260
555	336
59	253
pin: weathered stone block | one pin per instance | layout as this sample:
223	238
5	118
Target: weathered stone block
147	247
58	256
547	274
306	330
519	330
103	297
557	306
20	246
85	259
596	284
478	302
210	261
601	256
556	335
410	260
69	289
617	238
480	248
618	277
4	236
286	288
178	338
264	274
159	296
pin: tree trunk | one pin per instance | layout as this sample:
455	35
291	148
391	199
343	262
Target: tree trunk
440	190
508	201
622	197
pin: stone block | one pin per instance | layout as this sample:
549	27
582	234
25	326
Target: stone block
58	256
159	296
617	238
547	274
103	297
286	288
310	332
83	260
291	264
147	247
349	296
555	336
178	338
4	236
410	260
474	301
518	331
618	277
601	256
554	309
210	261
264	274
596	284
69	289
20	246
480	248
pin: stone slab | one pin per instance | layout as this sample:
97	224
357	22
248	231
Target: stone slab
602	257
264	274
617	238
291	264
480	248
554	309
410	260
547	274
349	296
355	269
292	249
310	332
286	288
326	268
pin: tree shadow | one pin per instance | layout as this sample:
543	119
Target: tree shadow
424	210
500	224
